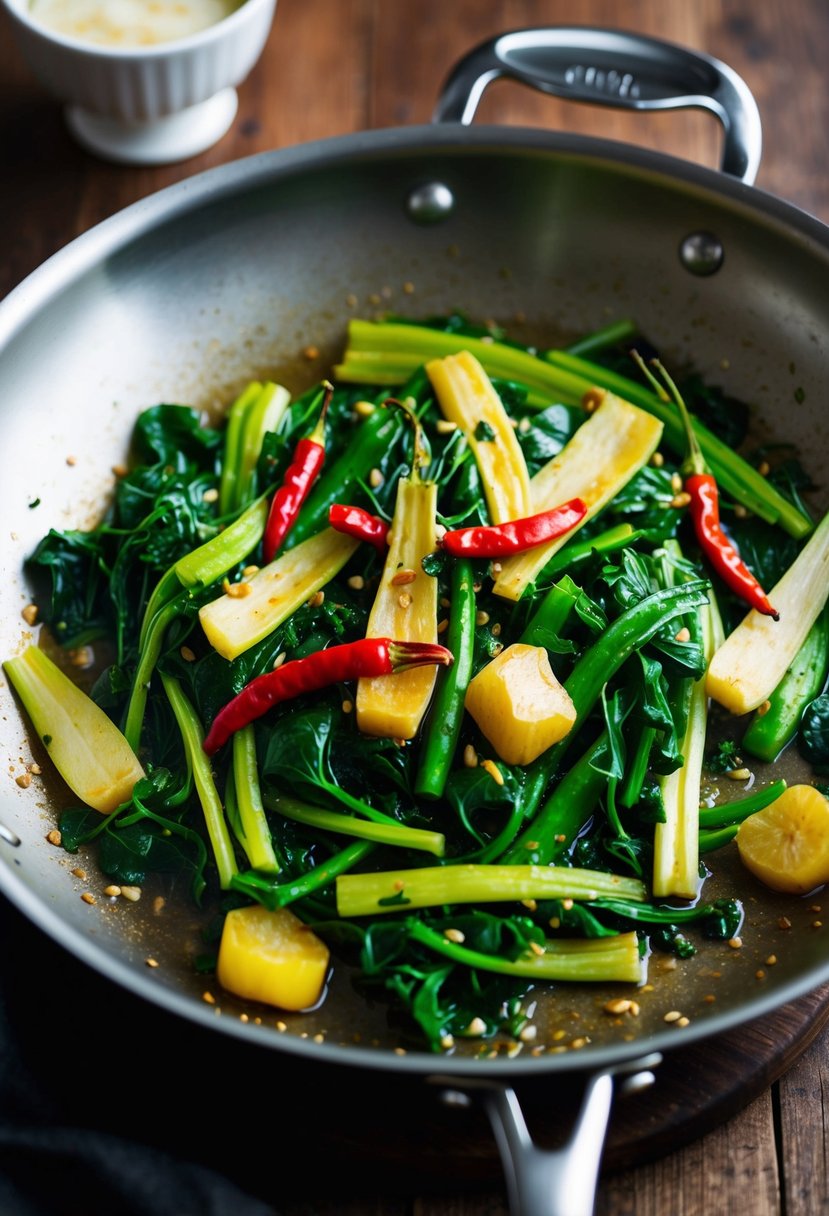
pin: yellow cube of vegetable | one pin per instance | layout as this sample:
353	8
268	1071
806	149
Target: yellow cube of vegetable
272	957
519	704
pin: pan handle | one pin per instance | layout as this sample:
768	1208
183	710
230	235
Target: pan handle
562	1181
612	68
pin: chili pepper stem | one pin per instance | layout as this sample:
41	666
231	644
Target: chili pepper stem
420	456
318	433
695	461
405	655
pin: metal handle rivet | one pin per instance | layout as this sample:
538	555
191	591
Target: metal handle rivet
430	203
702	253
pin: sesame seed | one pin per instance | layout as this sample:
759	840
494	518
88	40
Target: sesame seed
120	470
54	837
311	352
211	495
784	923
402	577
281	1026
681	500
82	657
739	774
592	399
495	773
364	408
764	468
71	460
476	1027
676	482
133	894
621	1005
657	460
817	924
440	532
709	999
470	756
673	1016
763	709
356	582
29	614
683	1022
528	1033
404	599
760	974
249	571
79	873
684	634
634	1009
495	568
34	768
735	942
408	288
577	1044
529	903
375	478
208	998
567	904
158	904
151	962
496	649
554	922
454	935
279	660
445	426
447	1041
815	908
741	512
236	591
347	707
443	625
481	617
24	780
537	948
112	891
400	1051
319	1038
187	654
771	960
88	897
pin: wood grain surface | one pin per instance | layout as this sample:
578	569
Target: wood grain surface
336	66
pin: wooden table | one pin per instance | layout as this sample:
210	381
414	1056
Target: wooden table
334	66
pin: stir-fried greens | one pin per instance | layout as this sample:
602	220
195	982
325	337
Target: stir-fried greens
459	847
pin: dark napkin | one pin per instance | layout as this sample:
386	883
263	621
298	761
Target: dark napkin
109	1104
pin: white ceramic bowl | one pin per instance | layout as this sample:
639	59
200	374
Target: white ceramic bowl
147	105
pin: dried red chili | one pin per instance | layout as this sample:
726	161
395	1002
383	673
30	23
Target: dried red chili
357	522
308	459
348	661
704	507
516	535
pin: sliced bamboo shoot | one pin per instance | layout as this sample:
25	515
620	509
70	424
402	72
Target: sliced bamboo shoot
405	608
239	619
467	397
603	455
85	746
751	662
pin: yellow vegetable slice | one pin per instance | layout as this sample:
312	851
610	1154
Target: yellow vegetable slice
250	610
405	609
754	658
519	704
602	456
86	747
272	957
786	845
467	397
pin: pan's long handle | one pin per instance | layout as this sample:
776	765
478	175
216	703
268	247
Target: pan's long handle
613	68
562	1181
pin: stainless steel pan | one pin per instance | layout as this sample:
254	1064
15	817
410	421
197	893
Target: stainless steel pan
234	273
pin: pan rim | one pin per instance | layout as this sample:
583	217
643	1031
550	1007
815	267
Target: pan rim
129	224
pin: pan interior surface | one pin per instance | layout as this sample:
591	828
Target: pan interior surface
254	272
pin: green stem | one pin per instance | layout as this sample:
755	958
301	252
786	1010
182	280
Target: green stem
613	334
577	552
256	835
279	894
709	840
222	552
446	715
399	835
147	659
768	734
638	768
192	738
233	445
552	614
592	960
399	890
735	812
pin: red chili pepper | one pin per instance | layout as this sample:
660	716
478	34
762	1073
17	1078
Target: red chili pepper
300	475
355	521
348	661
702	489
499	540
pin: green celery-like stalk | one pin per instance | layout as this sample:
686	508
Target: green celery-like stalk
579	551
609	335
233	444
256	835
589	960
263	414
396	834
147	659
388	353
399	890
192	738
